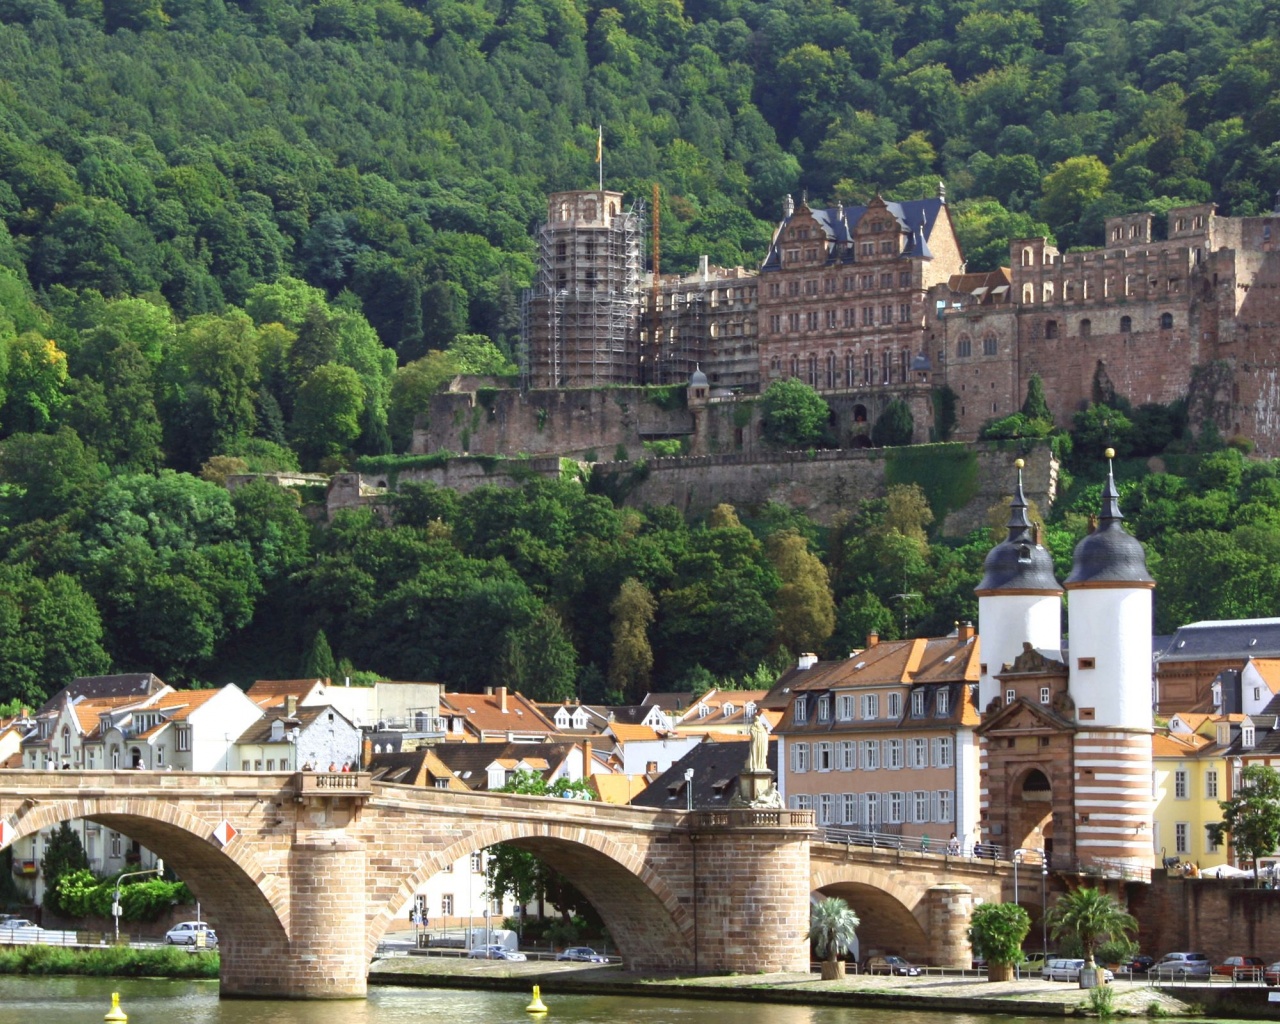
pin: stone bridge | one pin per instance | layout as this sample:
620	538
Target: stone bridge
302	873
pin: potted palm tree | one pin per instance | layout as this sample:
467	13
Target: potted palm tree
1091	916
833	929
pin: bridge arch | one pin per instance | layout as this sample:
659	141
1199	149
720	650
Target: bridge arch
646	919
893	911
247	904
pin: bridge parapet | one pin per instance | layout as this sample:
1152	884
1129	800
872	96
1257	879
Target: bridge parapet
333	784
754	818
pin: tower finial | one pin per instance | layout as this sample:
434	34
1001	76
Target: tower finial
1019	523
1110	495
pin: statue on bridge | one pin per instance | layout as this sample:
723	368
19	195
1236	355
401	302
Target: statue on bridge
756	787
758	758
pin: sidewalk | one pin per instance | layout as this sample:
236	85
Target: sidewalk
943	993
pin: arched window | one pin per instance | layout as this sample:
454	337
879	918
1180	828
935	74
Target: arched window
66	742
1028	294
1166	321
1126	324
990	346
813	370
1086	328
1051	328
1048	291
849	369
831	370
859	414
1069	291
964	347
795	366
1026	257
774	365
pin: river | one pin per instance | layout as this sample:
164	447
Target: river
28	1000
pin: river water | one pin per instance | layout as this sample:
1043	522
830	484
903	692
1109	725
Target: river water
27	1000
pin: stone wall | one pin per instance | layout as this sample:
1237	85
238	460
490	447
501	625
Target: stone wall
824	484
1220	918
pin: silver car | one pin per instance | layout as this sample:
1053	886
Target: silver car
1068	969
187	933
1182	965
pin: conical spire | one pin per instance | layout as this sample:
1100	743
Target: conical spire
1019	522
1019	562
1110	496
1109	555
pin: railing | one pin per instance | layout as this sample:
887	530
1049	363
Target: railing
914	844
752	817
334	783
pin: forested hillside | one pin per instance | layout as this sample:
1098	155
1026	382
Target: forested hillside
257	235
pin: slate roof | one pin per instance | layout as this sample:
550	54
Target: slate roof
135	685
469	762
1109	554
716	765
669	702
915	217
260	731
1224	640
1019	562
414	768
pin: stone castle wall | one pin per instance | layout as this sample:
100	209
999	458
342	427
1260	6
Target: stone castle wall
821	484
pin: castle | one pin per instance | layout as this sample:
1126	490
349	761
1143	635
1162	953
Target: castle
870	303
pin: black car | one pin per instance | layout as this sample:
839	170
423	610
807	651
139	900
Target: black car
1139	964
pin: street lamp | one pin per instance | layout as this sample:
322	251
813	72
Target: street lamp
1044	918
115	902
1017	859
688	789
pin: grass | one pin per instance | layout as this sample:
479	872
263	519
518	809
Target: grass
1102	1001
109	961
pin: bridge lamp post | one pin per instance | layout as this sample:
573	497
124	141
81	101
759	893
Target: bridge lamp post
1017	859
1044	906
688	789
158	870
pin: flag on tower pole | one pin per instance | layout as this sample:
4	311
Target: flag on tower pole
600	153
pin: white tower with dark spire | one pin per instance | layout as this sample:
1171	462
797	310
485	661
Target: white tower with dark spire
1019	598
1109	638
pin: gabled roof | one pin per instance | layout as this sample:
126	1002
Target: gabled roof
1224	640
260	731
414	768
625	733
267	693
1178	744
1045	716
469	762
135	685
915	218
669	702
617	788
484	715
716	765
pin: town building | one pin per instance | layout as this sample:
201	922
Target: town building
883	741
1219	667
1188	780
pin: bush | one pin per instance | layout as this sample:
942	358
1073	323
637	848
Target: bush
997	931
794	414
893	427
110	962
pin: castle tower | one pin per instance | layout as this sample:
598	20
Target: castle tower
580	320
1109	633
1019	598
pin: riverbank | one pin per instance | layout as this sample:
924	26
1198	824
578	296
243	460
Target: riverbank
931	992
109	962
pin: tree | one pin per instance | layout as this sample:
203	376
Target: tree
1090	915
833	929
996	932
1251	818
794	414
805	609
317	661
1036	406
326	415
894	426
63	855
631	658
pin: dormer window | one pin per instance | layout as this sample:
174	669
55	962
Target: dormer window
562	719
944	702
824	708
801	713
703	711
1246	735
750	710
1224	733
727	710
580	719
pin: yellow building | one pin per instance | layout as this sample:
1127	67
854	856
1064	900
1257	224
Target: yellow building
1189	777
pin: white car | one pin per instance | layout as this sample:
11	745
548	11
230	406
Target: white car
495	951
1068	969
187	933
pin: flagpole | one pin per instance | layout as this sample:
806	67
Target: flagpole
600	153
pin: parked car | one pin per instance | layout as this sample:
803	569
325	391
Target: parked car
1246	967
1182	965
187	933
892	965
1140	964
582	954
494	951
1271	974
1068	969
19	923
1036	960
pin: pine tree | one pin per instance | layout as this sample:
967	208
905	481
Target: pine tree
318	662
631	659
1036	407
64	854
894	426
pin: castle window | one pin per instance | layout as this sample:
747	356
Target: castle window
1166	321
866	367
813	371
848	368
1085	663
964	347
1051	328
1069	291
1026	257
1126	324
795	366
990	345
1028	294
1086	715
833	318
1086	327
831	369
1048	291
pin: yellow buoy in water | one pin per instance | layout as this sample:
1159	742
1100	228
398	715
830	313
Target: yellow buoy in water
537	1006
115	1013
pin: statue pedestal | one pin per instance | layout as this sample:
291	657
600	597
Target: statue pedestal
755	789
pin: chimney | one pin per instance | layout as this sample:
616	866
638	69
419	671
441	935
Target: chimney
366	752
873	638
291	706
586	759
502	699
806	662
965	633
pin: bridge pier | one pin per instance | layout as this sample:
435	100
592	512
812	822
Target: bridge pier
751	890
324	955
950	906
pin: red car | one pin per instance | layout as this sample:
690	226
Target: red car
1243	967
